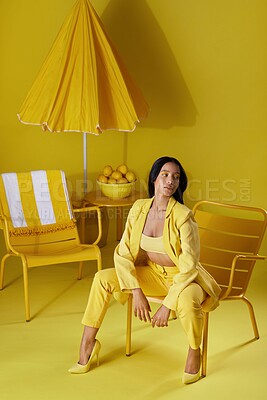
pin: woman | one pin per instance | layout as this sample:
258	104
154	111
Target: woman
158	255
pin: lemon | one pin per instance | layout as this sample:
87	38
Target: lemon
111	181
130	176
102	178
123	169
116	175
107	170
122	180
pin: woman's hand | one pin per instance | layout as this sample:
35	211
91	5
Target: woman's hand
161	317
141	305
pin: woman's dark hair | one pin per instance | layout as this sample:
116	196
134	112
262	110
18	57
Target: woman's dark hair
155	170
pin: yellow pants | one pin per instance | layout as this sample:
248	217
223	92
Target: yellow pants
154	280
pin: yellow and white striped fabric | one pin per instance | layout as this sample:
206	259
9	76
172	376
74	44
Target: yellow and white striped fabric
36	202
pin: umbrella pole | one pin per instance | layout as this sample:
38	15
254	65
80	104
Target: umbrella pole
84	163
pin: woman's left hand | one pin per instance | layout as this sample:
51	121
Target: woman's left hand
161	317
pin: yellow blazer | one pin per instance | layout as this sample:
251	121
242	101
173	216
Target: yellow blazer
181	242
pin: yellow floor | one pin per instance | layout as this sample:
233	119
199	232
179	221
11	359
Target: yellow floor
35	356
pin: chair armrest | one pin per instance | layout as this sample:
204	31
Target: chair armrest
240	257
99	218
88	208
4	227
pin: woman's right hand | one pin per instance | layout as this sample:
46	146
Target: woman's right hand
141	305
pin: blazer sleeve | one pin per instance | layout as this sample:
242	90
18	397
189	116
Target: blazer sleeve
188	259
123	257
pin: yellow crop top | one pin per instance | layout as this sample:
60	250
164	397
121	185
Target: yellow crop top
152	244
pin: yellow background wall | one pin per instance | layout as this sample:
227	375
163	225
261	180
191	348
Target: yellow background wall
202	68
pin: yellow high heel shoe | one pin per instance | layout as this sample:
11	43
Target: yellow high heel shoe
82	369
191	378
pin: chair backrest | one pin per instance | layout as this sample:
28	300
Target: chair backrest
36	210
227	232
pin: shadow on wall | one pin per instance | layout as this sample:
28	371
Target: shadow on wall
148	57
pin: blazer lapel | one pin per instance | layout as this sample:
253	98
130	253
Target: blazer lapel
168	231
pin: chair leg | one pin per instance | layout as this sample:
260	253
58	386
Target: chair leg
2	270
83	219
129	325
26	290
99	261
205	343
252	317
80	270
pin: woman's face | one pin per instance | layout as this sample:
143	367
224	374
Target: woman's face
167	180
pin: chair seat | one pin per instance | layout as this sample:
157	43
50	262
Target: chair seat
76	254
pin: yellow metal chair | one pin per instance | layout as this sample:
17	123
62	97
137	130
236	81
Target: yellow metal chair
230	238
39	225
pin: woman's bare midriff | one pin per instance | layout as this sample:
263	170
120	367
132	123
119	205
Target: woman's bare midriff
160	259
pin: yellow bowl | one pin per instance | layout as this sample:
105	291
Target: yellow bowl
116	190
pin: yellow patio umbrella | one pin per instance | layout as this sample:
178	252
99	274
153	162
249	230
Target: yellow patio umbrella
83	86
